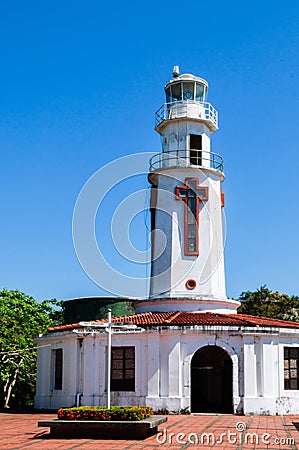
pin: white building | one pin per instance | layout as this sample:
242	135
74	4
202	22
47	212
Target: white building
196	353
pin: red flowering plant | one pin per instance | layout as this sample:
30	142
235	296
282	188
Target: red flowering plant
132	413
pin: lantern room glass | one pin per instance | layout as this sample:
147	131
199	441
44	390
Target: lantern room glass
186	91
200	92
168	95
176	92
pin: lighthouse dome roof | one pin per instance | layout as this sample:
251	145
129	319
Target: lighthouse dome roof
187	77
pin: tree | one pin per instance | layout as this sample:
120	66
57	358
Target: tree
92	308
117	309
21	317
266	303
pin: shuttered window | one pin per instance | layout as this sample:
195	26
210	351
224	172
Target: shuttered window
58	364
123	369
291	365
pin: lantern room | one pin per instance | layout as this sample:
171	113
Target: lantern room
186	98
186	88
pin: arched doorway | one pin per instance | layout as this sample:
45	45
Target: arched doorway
211	381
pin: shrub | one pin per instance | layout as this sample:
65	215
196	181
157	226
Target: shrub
132	413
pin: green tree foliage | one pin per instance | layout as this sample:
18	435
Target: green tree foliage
21	317
117	309
266	303
91	308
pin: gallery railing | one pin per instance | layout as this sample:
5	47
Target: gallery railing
186	158
187	109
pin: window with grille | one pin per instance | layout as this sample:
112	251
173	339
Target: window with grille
291	360
123	369
58	364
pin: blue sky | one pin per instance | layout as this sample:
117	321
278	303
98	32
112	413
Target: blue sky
80	82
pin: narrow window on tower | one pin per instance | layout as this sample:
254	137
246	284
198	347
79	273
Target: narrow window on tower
58	367
196	149
291	359
123	369
191	218
153	205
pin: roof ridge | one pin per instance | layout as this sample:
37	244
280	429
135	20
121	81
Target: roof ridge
130	315
239	317
173	316
272	319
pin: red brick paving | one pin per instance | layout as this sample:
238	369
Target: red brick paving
217	432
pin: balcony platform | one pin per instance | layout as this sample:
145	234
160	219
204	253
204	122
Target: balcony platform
187	109
186	158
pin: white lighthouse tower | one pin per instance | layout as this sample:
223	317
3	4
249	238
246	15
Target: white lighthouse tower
195	354
187	267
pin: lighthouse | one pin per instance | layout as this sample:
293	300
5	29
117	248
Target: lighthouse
187	222
194	354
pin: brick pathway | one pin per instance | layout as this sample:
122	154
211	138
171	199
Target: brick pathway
217	432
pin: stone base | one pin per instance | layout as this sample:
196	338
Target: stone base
141	429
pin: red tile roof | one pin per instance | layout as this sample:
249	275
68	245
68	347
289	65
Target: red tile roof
181	318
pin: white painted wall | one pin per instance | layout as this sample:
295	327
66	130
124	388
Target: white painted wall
163	359
172	268
176	136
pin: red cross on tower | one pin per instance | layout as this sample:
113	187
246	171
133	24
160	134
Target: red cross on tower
191	194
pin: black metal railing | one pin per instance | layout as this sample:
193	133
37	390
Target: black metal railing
186	158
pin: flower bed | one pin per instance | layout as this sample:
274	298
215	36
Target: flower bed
103	429
115	413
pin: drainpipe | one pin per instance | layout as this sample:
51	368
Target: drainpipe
78	395
109	328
